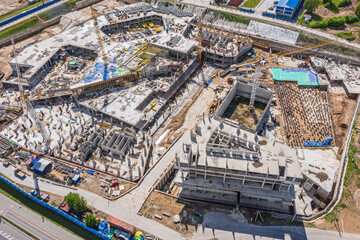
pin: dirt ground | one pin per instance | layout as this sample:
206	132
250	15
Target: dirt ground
343	110
55	200
157	203
349	205
10	5
343	11
93	184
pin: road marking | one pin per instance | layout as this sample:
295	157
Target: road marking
28	226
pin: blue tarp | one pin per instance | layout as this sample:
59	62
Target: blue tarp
104	229
326	143
208	83
35	160
99	68
90	172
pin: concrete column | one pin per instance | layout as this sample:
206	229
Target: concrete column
177	159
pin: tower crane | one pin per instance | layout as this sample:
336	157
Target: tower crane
99	40
222	32
256	83
27	107
200	39
98	35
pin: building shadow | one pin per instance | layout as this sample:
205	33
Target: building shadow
293	232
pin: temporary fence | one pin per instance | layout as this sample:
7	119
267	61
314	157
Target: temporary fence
246	10
23	14
98	234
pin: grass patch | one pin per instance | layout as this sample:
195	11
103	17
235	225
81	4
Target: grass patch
315	17
20	228
347	35
20	27
19	10
330	217
47	213
71	3
333	7
251	3
44	16
229	17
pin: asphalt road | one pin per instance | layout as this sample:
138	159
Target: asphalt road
31	15
27	226
7	232
32	222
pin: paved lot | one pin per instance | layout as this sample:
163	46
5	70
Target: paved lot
7	232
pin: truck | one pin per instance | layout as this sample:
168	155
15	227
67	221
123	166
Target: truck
19	173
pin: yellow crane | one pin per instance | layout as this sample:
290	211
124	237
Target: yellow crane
222	32
98	35
28	108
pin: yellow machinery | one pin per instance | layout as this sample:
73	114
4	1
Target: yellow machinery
213	106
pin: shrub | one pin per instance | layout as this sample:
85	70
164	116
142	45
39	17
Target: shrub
332	7
357	9
347	35
91	221
320	24
344	3
351	19
326	1
336	22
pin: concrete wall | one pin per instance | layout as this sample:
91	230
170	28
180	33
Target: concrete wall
262	95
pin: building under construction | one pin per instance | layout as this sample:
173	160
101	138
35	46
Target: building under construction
235	108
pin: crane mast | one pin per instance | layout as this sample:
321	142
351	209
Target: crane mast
27	107
98	35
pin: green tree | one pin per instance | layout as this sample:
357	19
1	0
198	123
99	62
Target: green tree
311	5
336	21
357	9
71	198
80	205
91	221
76	202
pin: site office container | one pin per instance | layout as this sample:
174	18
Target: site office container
117	223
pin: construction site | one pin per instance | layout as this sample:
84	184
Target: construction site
222	112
